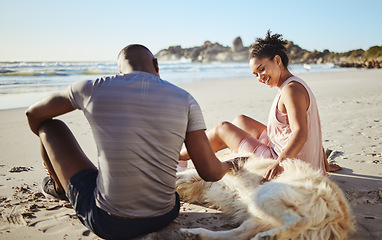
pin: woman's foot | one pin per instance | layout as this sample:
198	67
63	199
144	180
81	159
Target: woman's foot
333	167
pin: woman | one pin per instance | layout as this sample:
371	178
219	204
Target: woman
294	129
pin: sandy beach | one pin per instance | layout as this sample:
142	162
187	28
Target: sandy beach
350	105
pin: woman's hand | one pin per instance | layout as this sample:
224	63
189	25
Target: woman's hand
272	171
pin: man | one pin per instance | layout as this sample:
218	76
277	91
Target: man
139	123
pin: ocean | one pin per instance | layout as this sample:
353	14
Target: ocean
23	83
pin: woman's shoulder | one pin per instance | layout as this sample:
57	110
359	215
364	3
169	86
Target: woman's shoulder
294	90
294	87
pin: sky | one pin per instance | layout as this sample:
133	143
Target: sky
95	30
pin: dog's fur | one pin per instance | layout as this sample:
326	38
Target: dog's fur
300	203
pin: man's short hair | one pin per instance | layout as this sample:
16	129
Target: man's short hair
130	49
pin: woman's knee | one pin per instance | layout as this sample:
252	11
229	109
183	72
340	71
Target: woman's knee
223	126
240	120
217	135
249	125
219	130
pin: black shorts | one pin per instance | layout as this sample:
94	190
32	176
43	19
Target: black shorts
80	192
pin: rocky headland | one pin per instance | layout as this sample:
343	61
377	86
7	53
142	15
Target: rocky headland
215	52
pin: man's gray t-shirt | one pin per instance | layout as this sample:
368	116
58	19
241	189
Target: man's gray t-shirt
139	123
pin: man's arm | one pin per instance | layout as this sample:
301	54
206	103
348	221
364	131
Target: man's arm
47	108
208	166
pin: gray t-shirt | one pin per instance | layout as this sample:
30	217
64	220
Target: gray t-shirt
139	123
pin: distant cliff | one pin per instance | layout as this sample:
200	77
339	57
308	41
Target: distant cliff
215	52
208	52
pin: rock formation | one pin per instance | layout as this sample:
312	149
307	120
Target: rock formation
208	52
237	45
215	52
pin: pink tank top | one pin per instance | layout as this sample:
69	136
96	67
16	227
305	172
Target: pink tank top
279	131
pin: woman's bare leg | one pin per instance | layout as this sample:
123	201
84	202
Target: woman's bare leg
223	135
249	125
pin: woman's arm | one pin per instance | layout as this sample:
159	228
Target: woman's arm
294	101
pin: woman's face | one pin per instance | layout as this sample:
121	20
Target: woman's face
266	71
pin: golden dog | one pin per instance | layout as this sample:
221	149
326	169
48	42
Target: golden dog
300	203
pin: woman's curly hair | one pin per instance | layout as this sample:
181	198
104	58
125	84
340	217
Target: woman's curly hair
269	47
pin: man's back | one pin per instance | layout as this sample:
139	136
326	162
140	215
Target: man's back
139	123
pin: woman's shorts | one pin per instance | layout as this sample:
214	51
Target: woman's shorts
260	147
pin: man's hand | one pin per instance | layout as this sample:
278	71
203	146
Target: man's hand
272	171
237	163
205	161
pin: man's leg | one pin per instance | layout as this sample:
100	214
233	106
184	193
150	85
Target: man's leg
61	153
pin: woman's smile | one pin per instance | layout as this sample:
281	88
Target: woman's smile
266	81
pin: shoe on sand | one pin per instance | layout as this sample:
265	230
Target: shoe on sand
49	189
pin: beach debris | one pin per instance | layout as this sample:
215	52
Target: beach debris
2	199
332	154
86	233
33	208
55	207
23	189
374	154
327	152
28	215
36	197
335	154
20	169
68	205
